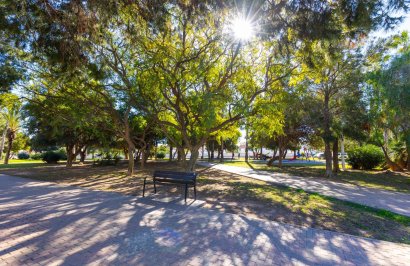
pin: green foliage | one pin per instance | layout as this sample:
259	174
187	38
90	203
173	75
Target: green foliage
52	156
108	159
161	155
366	157
23	155
36	156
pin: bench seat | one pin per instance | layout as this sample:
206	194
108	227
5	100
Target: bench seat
186	178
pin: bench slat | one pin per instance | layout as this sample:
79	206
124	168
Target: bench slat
187	178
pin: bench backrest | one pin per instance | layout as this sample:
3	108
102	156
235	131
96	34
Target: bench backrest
176	175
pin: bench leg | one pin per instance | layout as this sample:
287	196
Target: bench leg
143	189
195	190
186	191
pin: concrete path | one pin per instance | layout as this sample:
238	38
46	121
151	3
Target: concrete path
43	223
378	198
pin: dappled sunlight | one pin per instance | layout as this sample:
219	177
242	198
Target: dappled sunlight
228	192
78	226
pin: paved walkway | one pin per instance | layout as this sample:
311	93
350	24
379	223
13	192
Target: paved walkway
378	198
42	223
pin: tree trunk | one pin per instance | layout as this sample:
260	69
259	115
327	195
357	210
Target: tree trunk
126	156
192	161
222	150
342	151
179	156
392	165
271	160
213	151
328	157
246	145
83	154
408	156
170	153
335	156
143	155
327	134
70	155
280	159
182	156
155	150
131	149
3	140
202	153
9	147
131	160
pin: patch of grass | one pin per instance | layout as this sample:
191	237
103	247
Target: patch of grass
24	163
241	195
393	181
299	207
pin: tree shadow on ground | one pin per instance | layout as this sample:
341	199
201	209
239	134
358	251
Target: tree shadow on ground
71	226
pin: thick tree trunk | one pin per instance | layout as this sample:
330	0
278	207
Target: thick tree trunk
179	155
182	156
126	156
392	165
70	155
192	161
336	157
328	158
170	153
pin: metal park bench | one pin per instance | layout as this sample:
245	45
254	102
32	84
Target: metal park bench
186	178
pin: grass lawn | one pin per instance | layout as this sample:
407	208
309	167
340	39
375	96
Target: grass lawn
394	181
17	163
236	194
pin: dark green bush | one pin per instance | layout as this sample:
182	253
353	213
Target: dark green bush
52	156
63	154
161	155
36	156
23	155
366	157
108	159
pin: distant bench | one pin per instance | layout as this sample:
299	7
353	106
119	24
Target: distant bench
187	178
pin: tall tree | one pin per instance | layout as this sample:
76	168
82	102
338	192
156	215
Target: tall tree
11	115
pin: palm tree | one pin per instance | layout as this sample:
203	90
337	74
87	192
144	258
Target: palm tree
12	116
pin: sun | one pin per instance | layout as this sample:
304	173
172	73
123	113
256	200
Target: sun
242	28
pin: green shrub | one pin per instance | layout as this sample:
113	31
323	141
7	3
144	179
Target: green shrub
366	157
161	155
36	156
63	154
108	159
23	155
52	156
